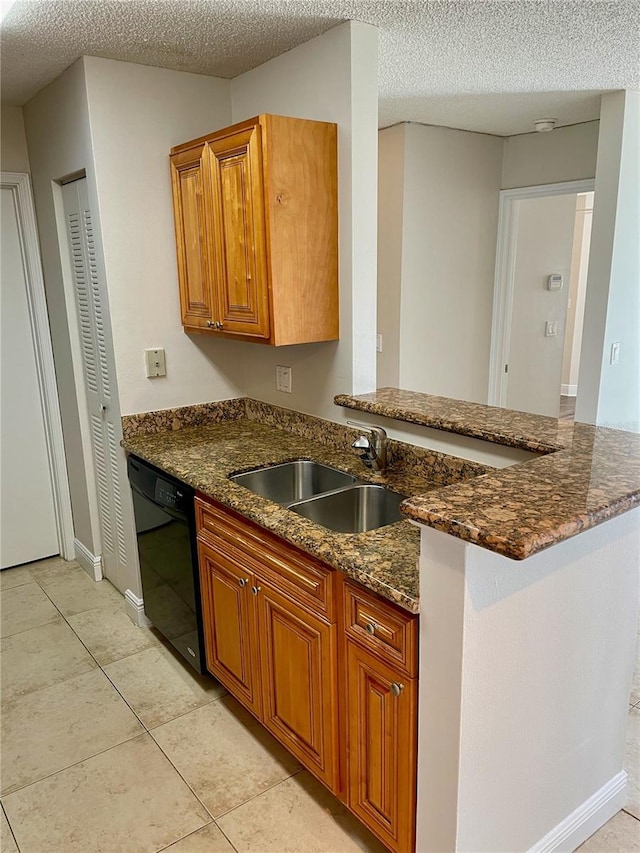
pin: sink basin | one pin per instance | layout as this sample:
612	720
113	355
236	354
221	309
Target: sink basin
293	481
353	510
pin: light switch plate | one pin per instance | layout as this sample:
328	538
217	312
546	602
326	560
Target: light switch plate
154	362
614	357
551	328
283	379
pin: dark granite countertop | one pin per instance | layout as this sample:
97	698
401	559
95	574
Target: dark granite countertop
584	475
384	560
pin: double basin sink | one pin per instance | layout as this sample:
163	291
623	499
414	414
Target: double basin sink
331	498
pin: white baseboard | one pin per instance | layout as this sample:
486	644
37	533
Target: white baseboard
135	609
569	390
586	819
89	562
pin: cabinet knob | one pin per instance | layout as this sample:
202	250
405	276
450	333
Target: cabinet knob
255	589
210	324
396	688
220	325
370	628
243	581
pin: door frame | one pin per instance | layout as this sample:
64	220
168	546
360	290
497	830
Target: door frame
504	281
19	183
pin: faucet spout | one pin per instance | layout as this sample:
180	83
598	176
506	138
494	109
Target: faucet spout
373	446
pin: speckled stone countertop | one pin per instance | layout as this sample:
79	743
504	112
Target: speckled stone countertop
587	474
385	560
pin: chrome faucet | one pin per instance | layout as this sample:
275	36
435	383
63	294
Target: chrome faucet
373	448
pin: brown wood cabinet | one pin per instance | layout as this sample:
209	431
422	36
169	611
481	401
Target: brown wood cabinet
274	653
255	208
299	682
381	747
327	666
230	638
381	652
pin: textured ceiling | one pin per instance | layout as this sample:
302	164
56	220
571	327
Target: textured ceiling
486	65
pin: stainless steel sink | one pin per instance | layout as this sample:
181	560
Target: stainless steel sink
353	510
293	481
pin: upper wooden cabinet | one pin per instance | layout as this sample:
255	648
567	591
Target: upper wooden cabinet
256	223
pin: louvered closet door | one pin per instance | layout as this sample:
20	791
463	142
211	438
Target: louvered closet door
98	368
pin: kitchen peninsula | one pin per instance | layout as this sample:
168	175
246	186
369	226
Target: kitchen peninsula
524	667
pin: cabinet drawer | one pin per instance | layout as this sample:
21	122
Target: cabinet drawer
301	577
382	628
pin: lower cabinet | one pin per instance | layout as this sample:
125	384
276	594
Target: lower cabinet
382	747
299	682
334	684
230	625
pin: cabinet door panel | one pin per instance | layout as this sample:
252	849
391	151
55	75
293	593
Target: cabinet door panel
382	748
189	208
229	625
299	682
239	233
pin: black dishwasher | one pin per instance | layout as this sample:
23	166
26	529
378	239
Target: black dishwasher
165	529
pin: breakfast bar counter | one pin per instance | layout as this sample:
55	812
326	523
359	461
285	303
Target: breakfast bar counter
583	476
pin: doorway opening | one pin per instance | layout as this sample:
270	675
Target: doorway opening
539	297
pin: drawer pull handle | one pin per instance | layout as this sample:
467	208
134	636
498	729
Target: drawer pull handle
243	581
370	628
255	589
396	688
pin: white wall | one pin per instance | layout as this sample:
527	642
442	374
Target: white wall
116	122
565	154
544	235
14	156
137	113
610	394
577	290
524	687
57	128
391	166
330	78
451	183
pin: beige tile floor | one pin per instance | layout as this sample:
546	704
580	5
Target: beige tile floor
110	745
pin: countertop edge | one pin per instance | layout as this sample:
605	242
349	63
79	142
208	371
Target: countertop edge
586	476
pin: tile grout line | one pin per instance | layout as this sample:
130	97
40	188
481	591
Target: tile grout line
195	831
255	796
188	784
147	729
184	713
6	817
69	766
150	733
33	627
224	834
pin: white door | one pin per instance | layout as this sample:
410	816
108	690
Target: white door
28	528
544	244
98	368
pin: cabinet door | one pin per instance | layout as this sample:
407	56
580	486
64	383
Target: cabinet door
299	681
382	720
190	217
228	612
239	252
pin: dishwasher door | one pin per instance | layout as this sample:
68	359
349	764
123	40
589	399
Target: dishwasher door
165	529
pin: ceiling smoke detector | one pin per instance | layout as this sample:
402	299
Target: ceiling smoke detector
545	125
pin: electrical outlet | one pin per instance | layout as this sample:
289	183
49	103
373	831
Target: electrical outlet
283	379
154	362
